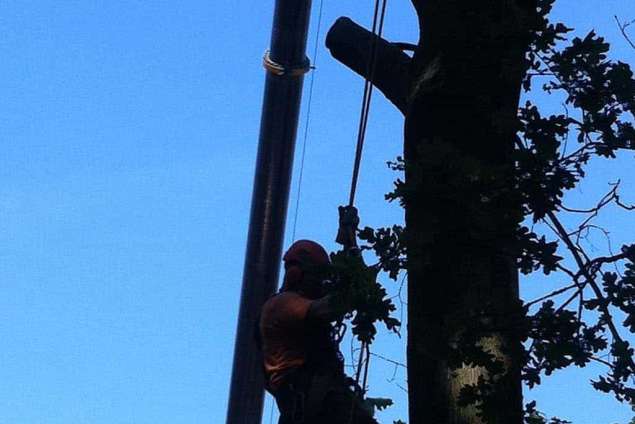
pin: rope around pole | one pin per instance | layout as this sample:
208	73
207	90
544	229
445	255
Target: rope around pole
306	120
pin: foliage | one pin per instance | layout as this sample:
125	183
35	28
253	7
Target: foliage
378	403
358	297
559	340
602	94
389	246
533	416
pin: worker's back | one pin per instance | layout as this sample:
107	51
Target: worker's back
284	334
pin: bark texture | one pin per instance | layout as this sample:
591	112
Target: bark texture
459	94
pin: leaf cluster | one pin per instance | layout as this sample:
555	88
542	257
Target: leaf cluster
535	252
559	339
533	416
389	246
358	296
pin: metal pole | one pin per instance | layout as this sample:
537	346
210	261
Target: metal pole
286	63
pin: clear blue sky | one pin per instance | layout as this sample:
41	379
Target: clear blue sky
129	132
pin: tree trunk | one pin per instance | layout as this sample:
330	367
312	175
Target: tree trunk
460	103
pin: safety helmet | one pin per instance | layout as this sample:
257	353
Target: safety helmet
303	251
302	255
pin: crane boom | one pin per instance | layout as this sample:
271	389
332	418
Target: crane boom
286	64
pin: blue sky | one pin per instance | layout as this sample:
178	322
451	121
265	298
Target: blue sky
129	132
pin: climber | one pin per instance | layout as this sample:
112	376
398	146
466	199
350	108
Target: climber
304	368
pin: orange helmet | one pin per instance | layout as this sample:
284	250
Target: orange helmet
301	254
303	251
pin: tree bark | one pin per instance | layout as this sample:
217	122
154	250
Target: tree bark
462	97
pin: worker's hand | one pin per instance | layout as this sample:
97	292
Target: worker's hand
347	231
320	310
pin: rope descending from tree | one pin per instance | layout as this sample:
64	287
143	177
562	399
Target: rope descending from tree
348	217
349	214
378	27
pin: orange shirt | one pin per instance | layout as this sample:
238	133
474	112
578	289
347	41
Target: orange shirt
283	330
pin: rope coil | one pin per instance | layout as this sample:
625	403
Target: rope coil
277	69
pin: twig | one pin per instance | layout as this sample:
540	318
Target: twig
571	299
402	387
622	205
392	361
566	139
540	74
589	280
402	303
622	28
605	200
601	361
553	293
596	263
581	305
567	271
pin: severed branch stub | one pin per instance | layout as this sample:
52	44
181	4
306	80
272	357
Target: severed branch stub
350	44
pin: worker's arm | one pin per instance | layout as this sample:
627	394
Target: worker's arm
320	310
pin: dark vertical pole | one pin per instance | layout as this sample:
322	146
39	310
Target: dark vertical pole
278	127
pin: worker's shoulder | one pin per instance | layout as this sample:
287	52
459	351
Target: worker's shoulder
286	301
285	297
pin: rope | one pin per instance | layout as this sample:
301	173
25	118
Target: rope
368	91
377	29
364	358
363	361
306	120
279	70
365	380
360	361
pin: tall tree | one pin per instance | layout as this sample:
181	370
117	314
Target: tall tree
459	94
475	166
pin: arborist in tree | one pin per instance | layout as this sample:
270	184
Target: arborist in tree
303	365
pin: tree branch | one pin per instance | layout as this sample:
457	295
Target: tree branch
587	269
553	293
350	44
622	27
604	309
